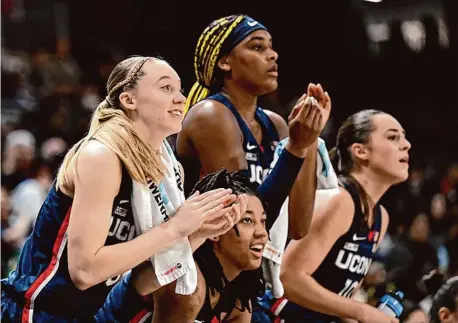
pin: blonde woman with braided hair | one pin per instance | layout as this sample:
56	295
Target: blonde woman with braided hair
85	237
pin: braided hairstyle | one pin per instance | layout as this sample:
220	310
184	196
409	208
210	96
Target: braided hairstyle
111	126
249	284
211	46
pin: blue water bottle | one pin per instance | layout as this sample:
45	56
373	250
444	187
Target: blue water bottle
391	304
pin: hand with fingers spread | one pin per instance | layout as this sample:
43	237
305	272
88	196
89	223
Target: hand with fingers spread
200	208
307	119
220	223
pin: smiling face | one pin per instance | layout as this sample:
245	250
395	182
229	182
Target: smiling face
158	98
244	251
156	101
252	63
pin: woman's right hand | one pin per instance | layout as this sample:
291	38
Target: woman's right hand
219	224
200	207
372	315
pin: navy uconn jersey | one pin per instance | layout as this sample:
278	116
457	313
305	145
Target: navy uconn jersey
259	157
346	264
40	288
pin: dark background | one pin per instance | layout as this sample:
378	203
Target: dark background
57	56
317	41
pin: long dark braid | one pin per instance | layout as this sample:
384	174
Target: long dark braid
249	284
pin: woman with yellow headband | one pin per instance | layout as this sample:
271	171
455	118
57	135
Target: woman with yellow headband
235	63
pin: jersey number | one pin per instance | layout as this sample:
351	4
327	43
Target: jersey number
350	286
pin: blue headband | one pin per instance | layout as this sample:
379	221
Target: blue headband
243	29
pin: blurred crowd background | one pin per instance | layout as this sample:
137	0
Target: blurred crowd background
396	56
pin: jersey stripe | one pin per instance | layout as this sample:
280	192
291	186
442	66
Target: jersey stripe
37	286
141	316
278	306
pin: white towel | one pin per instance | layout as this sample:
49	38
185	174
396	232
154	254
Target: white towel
326	179
152	205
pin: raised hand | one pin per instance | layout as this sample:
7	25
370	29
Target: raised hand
307	119
221	222
304	124
323	99
199	208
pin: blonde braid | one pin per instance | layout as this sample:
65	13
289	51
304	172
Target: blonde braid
111	126
132	75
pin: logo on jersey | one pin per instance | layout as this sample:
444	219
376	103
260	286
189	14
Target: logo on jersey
121	211
121	229
351	246
251	156
258	174
353	262
373	236
357	238
250	146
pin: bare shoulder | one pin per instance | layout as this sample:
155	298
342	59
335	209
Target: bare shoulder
279	122
209	112
335	198
97	152
335	208
209	124
97	164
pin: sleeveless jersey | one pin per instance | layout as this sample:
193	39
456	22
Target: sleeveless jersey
259	157
344	267
41	282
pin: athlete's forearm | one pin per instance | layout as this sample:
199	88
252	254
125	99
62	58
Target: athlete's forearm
347	320
302	196
277	186
144	280
305	291
195	240
111	261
